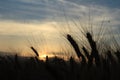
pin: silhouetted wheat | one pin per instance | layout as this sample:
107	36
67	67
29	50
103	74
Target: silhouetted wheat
17	64
76	47
94	51
35	51
86	52
117	53
110	57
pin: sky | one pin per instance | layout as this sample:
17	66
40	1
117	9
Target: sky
25	23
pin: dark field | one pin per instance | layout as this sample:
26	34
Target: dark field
18	68
91	66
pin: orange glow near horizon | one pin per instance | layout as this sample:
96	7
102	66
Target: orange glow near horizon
43	56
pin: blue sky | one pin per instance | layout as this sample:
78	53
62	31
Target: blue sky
22	10
21	18
107	3
29	10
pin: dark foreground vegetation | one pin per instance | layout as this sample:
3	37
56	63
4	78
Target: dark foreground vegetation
91	66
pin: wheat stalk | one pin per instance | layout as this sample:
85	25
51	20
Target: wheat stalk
35	51
94	51
75	47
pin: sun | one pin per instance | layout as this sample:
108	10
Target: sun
44	54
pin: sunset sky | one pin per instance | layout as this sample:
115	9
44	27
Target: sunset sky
42	23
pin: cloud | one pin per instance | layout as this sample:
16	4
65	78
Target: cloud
16	28
40	10
37	11
21	10
39	16
15	33
106	3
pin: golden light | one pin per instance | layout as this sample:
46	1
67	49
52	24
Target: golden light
44	54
